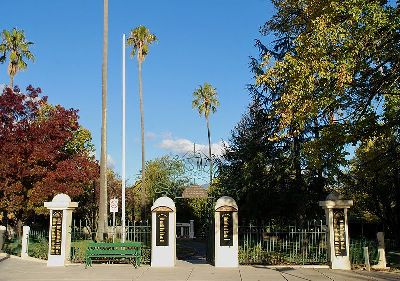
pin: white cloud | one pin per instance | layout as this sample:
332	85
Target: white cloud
150	135
2	87
166	135
184	145
110	162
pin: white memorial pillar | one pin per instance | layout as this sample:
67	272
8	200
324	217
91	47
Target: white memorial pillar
25	241
61	209
163	236
338	230
226	233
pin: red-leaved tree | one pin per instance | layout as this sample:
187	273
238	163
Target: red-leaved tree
42	153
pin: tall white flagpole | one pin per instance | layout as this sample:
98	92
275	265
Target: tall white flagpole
123	139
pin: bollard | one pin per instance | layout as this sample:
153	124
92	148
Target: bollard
366	259
3	230
25	241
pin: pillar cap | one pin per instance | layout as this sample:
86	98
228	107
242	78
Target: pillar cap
61	201
336	204
226	201
164	202
334	196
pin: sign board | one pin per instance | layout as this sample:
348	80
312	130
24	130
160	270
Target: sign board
339	232
114	205
56	232
194	191
162	226
226	229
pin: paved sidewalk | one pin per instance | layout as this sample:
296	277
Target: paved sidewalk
13	269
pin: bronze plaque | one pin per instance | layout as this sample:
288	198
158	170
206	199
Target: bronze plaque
339	232
194	192
162	223
56	232
226	228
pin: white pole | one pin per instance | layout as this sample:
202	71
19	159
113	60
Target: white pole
123	139
113	227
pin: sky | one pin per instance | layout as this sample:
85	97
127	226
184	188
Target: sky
198	41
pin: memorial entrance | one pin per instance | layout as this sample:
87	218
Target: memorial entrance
196	244
194	231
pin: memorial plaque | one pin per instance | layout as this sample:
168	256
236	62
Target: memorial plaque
56	232
226	228
339	232
162	223
194	191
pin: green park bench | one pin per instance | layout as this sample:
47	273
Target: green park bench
111	251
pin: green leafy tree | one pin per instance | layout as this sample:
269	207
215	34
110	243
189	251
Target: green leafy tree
15	45
205	100
165	176
103	210
256	169
373	179
340	61
140	39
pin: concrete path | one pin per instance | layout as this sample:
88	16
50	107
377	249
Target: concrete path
15	269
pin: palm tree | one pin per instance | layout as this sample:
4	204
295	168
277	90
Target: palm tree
14	43
205	100
140	39
102	223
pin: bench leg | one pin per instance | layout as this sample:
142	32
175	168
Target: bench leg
89	262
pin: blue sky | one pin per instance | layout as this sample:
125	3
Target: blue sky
199	41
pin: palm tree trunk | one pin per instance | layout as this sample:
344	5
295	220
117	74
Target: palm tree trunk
102	223
209	149
143	191
10	71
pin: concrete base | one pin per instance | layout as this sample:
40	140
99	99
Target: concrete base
342	263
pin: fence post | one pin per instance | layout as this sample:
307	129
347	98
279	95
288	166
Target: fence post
191	229
25	241
366	259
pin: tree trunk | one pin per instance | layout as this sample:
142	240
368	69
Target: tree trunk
143	191
297	164
209	149
11	72
102	224
11	81
319	181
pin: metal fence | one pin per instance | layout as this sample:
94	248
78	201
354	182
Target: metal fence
290	245
357	251
82	235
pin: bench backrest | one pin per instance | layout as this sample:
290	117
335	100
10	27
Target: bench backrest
115	245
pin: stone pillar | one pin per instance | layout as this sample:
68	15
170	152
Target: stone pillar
381	252
338	230
163	233
191	229
3	230
25	241
226	233
61	209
